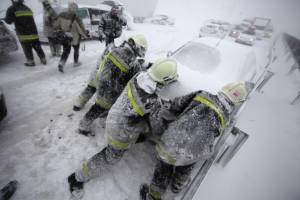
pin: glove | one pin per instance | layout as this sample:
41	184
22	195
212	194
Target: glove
69	35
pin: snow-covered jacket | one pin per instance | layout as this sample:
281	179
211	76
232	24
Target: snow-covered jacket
22	17
111	26
49	19
68	22
190	138
117	67
127	118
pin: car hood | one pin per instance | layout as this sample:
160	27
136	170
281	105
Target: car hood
216	65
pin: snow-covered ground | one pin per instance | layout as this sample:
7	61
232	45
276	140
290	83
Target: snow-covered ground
40	147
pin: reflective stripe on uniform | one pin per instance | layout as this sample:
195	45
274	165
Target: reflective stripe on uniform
103	103
23	13
154	193
133	102
117	63
28	37
86	170
101	66
164	154
117	144
207	102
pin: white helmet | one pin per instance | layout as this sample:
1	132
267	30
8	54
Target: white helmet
163	70
140	44
236	92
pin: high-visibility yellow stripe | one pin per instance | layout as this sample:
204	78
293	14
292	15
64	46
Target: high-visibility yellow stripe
23	13
102	103
101	66
155	194
86	170
28	37
117	63
117	144
171	160
133	102
213	107
114	61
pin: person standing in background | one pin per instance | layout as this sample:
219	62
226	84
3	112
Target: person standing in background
69	30
111	24
55	47
26	30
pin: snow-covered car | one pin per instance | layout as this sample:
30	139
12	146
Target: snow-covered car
161	20
245	39
90	16
215	28
258	28
8	41
3	109
208	64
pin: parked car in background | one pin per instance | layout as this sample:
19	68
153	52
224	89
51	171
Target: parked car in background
160	19
8	41
215	28
90	16
245	39
3	109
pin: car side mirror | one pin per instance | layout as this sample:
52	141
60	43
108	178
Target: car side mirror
169	53
94	22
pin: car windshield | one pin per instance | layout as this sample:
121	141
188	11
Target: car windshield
197	56
96	14
82	13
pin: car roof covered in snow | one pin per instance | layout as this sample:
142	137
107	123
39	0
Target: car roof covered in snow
210	63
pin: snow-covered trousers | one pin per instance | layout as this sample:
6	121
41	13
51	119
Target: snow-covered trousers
94	112
29	45
99	162
85	96
165	174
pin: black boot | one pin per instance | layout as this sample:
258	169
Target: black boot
61	68
85	133
29	64
74	184
76	108
43	61
144	192
8	190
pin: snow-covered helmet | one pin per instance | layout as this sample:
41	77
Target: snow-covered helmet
237	92
163	71
139	44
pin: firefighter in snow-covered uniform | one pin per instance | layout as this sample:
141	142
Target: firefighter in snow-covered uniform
126	120
26	30
200	118
116	68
